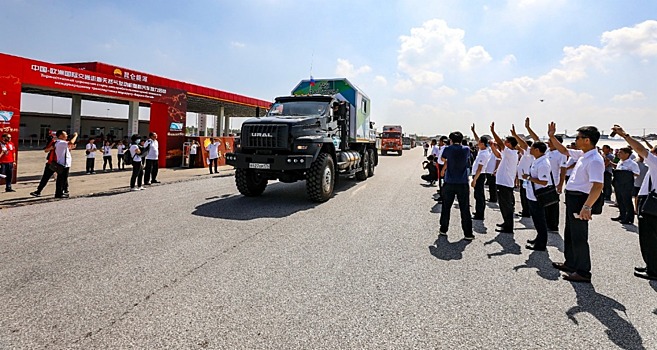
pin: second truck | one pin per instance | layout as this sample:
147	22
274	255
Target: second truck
321	131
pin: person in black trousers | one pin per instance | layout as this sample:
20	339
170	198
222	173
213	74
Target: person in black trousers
647	223
479	174
137	165
505	178
608	156
624	174
538	177
455	170
63	154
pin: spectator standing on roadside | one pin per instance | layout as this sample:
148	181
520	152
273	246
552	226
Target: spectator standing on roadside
582	191
137	165
455	170
7	160
626	170
47	171
120	163
91	155
107	156
63	148
505	178
214	154
647	222
479	175
425	145
608	156
193	150
150	173
538	177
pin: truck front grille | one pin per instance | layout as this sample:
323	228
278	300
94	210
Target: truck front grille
264	136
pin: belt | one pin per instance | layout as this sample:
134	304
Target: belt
576	193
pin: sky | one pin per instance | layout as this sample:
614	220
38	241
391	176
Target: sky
431	66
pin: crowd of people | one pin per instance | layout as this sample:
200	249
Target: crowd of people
545	172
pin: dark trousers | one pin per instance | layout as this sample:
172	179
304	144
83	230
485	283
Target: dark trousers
213	162
425	152
462	194
480	199
538	217
192	160
492	187
47	174
624	186
106	160
119	161
150	172
137	174
8	170
61	185
507	203
576	236
606	188
90	164
552	216
648	240
524	202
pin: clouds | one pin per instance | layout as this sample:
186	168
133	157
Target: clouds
346	69
629	97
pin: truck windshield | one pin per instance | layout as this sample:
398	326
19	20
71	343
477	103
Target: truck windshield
390	135
298	108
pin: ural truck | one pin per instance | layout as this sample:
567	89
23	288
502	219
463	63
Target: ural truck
391	139
319	132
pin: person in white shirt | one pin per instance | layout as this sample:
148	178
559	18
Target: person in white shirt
91	156
107	156
137	166
491	170
583	190
505	178
647	223
120	162
443	142
524	164
479	175
537	178
643	170
193	151
214	154
150	171
63	153
626	170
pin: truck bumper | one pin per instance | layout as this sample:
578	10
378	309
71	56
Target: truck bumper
269	161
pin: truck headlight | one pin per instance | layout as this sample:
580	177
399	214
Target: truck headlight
302	147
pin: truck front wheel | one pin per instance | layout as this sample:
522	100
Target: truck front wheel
249	182
365	165
320	179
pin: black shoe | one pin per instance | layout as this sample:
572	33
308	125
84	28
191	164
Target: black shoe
10	190
531	241
640	269
616	219
499	225
500	230
35	194
626	222
477	218
645	275
155	182
562	267
533	247
147	183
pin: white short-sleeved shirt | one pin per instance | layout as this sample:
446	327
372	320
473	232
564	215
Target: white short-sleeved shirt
589	169
91	147
629	165
492	162
482	159
435	150
120	149
213	150
63	153
153	151
440	155
539	169
107	151
193	149
568	163
651	162
506	171
133	152
556	159
525	163
643	170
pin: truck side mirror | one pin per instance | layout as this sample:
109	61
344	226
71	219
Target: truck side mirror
342	111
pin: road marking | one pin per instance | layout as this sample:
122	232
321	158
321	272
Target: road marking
358	189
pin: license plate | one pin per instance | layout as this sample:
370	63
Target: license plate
259	166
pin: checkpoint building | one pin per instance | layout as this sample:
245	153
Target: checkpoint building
169	100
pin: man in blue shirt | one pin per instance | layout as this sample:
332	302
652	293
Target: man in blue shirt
455	171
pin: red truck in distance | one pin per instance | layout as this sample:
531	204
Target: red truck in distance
391	139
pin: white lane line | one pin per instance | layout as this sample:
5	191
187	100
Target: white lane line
358	189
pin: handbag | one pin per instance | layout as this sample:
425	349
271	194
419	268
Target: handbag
649	206
546	196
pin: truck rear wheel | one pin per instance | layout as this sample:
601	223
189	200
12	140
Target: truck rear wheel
372	154
385	153
249	182
365	165
320	179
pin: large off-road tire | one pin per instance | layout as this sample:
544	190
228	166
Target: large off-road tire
372	154
385	153
249	182
320	178
364	165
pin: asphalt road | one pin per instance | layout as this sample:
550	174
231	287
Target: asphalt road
195	265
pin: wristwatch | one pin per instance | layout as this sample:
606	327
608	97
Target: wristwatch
587	208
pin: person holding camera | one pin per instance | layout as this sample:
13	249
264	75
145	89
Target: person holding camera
152	155
137	166
91	155
63	148
432	168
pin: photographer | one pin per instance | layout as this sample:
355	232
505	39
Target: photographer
137	167
431	166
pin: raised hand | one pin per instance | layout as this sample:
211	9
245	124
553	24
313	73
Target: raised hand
513	130
527	122
619	130
492	127
552	129
473	128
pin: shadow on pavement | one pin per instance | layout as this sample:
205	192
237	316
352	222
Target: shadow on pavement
630	228
444	250
606	310
478	226
543	265
555	240
653	284
278	201
508	243
437	208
